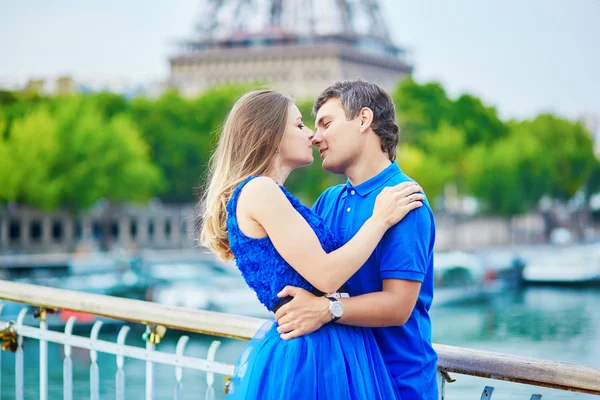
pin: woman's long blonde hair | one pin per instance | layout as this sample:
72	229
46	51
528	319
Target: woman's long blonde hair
247	146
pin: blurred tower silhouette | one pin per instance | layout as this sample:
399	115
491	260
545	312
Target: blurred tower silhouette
65	85
35	85
296	46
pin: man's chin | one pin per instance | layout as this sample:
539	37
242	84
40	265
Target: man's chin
328	167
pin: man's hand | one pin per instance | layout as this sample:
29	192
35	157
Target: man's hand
303	315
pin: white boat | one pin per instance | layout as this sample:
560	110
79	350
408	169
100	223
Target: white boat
458	277
579	265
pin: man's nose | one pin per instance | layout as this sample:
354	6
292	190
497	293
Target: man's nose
317	138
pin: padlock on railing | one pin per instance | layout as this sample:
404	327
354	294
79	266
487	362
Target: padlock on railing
42	313
154	333
227	387
8	336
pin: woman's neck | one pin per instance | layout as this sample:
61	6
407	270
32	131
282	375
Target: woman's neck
279	174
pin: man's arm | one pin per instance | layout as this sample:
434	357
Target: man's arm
390	307
306	312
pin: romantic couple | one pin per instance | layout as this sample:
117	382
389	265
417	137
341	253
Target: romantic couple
350	280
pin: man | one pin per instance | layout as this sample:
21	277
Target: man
357	135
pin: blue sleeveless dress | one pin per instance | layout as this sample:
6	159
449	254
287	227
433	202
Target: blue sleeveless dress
335	362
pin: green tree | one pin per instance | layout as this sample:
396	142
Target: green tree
16	105
108	104
480	123
439	161
101	158
448	145
181	134
420	108
592	185
432	174
510	177
7	186
567	147
73	158
27	155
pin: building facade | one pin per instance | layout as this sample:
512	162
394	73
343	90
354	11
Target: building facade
299	69
130	227
298	47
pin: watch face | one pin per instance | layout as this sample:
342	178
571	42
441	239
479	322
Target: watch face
336	309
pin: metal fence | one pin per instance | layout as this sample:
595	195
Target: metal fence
158	318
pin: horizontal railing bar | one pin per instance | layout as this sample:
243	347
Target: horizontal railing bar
139	353
466	361
143	312
530	371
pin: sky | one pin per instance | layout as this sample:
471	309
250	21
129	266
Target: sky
523	57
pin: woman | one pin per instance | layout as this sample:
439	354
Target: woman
276	241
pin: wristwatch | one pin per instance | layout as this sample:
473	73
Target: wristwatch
336	309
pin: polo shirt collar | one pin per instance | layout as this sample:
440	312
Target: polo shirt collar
375	182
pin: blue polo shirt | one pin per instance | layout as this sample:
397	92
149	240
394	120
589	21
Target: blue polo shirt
405	252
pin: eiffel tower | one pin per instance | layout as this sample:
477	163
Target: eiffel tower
296	46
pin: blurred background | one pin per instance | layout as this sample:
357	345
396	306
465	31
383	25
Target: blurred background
109	112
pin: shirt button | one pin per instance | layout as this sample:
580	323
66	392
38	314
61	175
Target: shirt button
348	209
352	192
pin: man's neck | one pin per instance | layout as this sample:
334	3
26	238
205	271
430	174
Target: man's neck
367	167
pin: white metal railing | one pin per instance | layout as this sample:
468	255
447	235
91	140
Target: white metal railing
157	318
94	345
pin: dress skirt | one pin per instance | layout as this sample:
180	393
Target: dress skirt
335	362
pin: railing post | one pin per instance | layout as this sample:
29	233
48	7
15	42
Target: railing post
152	336
149	371
210	376
441	382
94	372
68	362
487	393
181	343
120	377
443	377
43	356
19	358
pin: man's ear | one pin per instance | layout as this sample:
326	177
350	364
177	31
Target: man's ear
366	119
